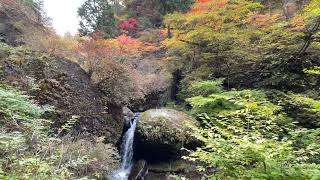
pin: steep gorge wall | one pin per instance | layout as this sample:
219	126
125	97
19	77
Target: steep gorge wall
17	18
65	85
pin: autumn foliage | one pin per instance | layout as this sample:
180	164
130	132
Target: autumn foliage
130	26
120	49
113	64
262	20
204	6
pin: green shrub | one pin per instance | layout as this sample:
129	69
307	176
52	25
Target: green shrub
205	88
246	136
307	145
29	150
314	71
23	139
302	108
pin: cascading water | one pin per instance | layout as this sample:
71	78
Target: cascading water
127	151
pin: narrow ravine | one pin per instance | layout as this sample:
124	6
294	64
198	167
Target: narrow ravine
127	151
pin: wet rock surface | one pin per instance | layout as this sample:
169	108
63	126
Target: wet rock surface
128	115
139	170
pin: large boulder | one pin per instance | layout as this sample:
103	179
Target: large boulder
66	86
161	133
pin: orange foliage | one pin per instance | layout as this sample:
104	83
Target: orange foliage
195	10
127	40
116	66
125	45
202	6
262	20
98	51
97	55
149	47
298	23
95	47
163	34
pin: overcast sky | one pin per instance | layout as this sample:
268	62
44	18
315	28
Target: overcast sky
64	14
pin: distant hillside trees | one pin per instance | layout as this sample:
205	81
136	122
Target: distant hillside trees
152	11
97	15
115	16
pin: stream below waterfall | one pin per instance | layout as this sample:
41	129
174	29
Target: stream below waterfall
127	151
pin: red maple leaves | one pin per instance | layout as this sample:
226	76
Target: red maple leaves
130	26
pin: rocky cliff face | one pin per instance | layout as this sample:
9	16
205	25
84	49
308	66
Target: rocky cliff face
65	85
18	18
8	33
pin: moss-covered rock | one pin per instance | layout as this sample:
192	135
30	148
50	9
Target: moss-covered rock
161	133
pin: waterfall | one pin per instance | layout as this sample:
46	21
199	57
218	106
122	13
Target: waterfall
127	151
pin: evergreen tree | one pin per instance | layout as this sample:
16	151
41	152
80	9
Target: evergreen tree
153	11
97	15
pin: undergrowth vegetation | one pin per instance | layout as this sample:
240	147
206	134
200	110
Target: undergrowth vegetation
30	150
250	77
246	136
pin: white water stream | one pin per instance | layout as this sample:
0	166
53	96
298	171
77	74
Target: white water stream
127	152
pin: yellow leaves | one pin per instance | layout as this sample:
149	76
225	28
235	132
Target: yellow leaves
217	14
262	20
53	44
178	45
17	59
312	10
176	20
175	44
149	47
